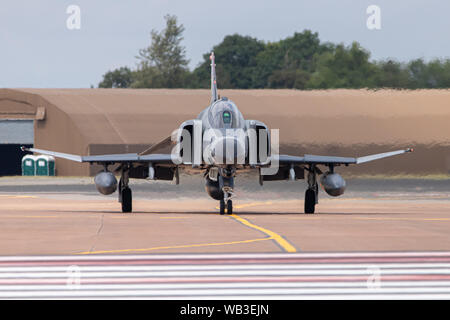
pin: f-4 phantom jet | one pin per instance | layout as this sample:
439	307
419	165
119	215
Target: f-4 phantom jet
220	143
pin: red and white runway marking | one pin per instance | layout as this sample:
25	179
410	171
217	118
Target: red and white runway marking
407	275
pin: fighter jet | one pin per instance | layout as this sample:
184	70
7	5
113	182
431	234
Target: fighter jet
220	143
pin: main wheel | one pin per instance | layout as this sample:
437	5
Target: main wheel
310	201
230	207
127	200
222	206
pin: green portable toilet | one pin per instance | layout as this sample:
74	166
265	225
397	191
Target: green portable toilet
45	165
28	165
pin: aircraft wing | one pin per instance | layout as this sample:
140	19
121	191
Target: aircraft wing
167	158
162	144
108	158
330	160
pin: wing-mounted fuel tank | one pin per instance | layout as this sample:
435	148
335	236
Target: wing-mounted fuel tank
188	139
333	184
105	182
258	142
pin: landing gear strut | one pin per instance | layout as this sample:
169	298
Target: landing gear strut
226	184
125	194
312	193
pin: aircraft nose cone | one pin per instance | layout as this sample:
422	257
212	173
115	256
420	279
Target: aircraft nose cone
228	150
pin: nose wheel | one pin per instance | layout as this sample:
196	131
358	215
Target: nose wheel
226	184
226	204
226	207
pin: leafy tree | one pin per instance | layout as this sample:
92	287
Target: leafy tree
119	78
299	50
236	56
292	79
418	74
268	62
165	58
148	77
290	54
390	74
301	61
438	74
344	67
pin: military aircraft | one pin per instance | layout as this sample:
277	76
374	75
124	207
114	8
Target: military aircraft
220	143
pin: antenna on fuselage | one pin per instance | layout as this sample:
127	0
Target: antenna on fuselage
214	95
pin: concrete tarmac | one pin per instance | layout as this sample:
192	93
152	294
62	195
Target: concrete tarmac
254	276
45	216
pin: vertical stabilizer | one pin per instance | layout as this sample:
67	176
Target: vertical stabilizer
214	96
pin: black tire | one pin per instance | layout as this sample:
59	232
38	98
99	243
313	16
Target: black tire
222	206
230	207
127	200
310	201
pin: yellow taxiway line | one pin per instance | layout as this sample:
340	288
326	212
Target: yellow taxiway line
175	247
283	243
17	196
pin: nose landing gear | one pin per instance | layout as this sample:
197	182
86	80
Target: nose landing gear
226	207
226	204
226	184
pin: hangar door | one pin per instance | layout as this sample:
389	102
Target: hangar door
13	134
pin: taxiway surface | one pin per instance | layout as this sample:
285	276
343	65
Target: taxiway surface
66	216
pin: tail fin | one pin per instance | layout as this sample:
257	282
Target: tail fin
214	96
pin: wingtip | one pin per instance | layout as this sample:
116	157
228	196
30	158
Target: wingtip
23	148
410	150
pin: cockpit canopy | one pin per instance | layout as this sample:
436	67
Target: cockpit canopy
224	114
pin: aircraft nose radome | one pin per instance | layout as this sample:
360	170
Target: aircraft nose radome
228	150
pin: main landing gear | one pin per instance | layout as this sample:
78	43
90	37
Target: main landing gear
125	194
312	193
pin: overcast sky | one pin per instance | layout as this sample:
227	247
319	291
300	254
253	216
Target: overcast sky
38	50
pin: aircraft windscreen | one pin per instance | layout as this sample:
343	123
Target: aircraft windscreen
225	114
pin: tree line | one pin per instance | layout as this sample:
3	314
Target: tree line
301	61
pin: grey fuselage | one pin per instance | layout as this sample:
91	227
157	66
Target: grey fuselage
225	132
